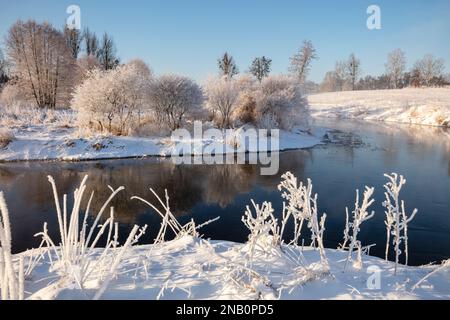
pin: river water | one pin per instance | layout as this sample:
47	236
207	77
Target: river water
358	154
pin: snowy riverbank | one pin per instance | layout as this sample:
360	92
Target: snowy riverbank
430	106
44	142
192	268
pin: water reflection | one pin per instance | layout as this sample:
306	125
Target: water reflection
203	192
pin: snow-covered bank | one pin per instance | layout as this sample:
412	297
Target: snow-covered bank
193	268
44	142
429	106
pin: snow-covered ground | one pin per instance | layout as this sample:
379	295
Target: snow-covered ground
193	268
430	106
44	142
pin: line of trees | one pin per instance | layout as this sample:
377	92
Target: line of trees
43	64
426	72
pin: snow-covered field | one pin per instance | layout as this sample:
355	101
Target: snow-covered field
430	106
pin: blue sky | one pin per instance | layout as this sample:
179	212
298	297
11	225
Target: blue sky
187	36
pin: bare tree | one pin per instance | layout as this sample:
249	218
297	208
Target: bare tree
430	69
42	62
73	39
301	62
107	53
260	67
173	97
91	43
395	67
353	70
227	66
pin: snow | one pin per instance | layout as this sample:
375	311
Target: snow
193	268
51	142
430	106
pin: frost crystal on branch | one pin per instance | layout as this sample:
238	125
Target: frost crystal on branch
396	218
302	206
360	215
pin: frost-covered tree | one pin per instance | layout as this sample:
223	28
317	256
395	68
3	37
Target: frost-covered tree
110	100
330	82
301	61
42	62
340	71
430	69
222	97
227	66
395	67
73	39
353	71
87	64
279	101
107	54
91	43
260	67
173	97
396	218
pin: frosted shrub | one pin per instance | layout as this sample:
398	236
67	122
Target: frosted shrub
112	100
173	98
11	282
12	96
6	137
360	215
396	218
222	100
281	98
246	110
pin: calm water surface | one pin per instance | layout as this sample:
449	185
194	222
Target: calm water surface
359	155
